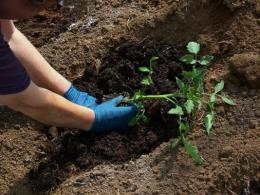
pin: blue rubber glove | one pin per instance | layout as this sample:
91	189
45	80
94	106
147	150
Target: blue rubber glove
110	117
80	98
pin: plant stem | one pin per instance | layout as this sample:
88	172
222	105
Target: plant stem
210	95
160	96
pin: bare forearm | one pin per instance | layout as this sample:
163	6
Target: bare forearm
52	109
38	68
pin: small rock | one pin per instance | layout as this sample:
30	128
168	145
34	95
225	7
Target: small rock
226	152
17	126
220	109
244	93
53	132
106	28
252	92
257	113
257	11
252	124
258	21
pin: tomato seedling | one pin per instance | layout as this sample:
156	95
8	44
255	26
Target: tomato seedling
186	100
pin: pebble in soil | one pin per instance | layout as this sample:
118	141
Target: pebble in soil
73	150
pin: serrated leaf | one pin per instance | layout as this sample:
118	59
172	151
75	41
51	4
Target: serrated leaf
228	101
175	143
154	60
209	120
192	151
147	81
177	111
189	105
188	59
205	60
193	47
144	69
219	87
180	83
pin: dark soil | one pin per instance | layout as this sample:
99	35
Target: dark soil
47	25
72	151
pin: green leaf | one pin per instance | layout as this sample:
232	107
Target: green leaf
188	74
154	60
192	151
147	81
144	69
180	83
199	75
184	127
193	47
133	121
177	111
145	119
228	101
188	59
212	101
205	60
189	105
219	87
209	120
212	98
137	95
126	100
175	143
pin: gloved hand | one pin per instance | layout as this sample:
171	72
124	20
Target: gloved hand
80	98
109	117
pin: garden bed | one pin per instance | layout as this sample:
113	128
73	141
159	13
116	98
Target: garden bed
103	60
71	151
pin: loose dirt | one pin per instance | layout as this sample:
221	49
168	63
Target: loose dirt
103	54
70	152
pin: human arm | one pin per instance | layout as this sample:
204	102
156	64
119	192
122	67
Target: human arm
52	109
49	108
39	69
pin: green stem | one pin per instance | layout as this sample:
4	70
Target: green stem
170	100
160	96
210	95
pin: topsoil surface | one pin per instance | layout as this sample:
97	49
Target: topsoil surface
101	51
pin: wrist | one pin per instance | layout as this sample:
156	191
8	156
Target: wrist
91	118
71	93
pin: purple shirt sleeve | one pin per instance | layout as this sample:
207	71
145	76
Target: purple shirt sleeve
13	76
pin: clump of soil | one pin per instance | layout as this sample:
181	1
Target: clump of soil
74	150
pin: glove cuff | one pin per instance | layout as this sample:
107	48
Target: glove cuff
71	93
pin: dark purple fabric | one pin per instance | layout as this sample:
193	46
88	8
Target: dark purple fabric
13	76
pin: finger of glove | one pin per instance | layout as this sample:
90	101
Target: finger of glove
127	113
115	101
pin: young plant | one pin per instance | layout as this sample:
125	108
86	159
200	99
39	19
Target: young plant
147	81
187	99
210	117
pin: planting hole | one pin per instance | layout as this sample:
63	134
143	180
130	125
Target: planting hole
73	151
